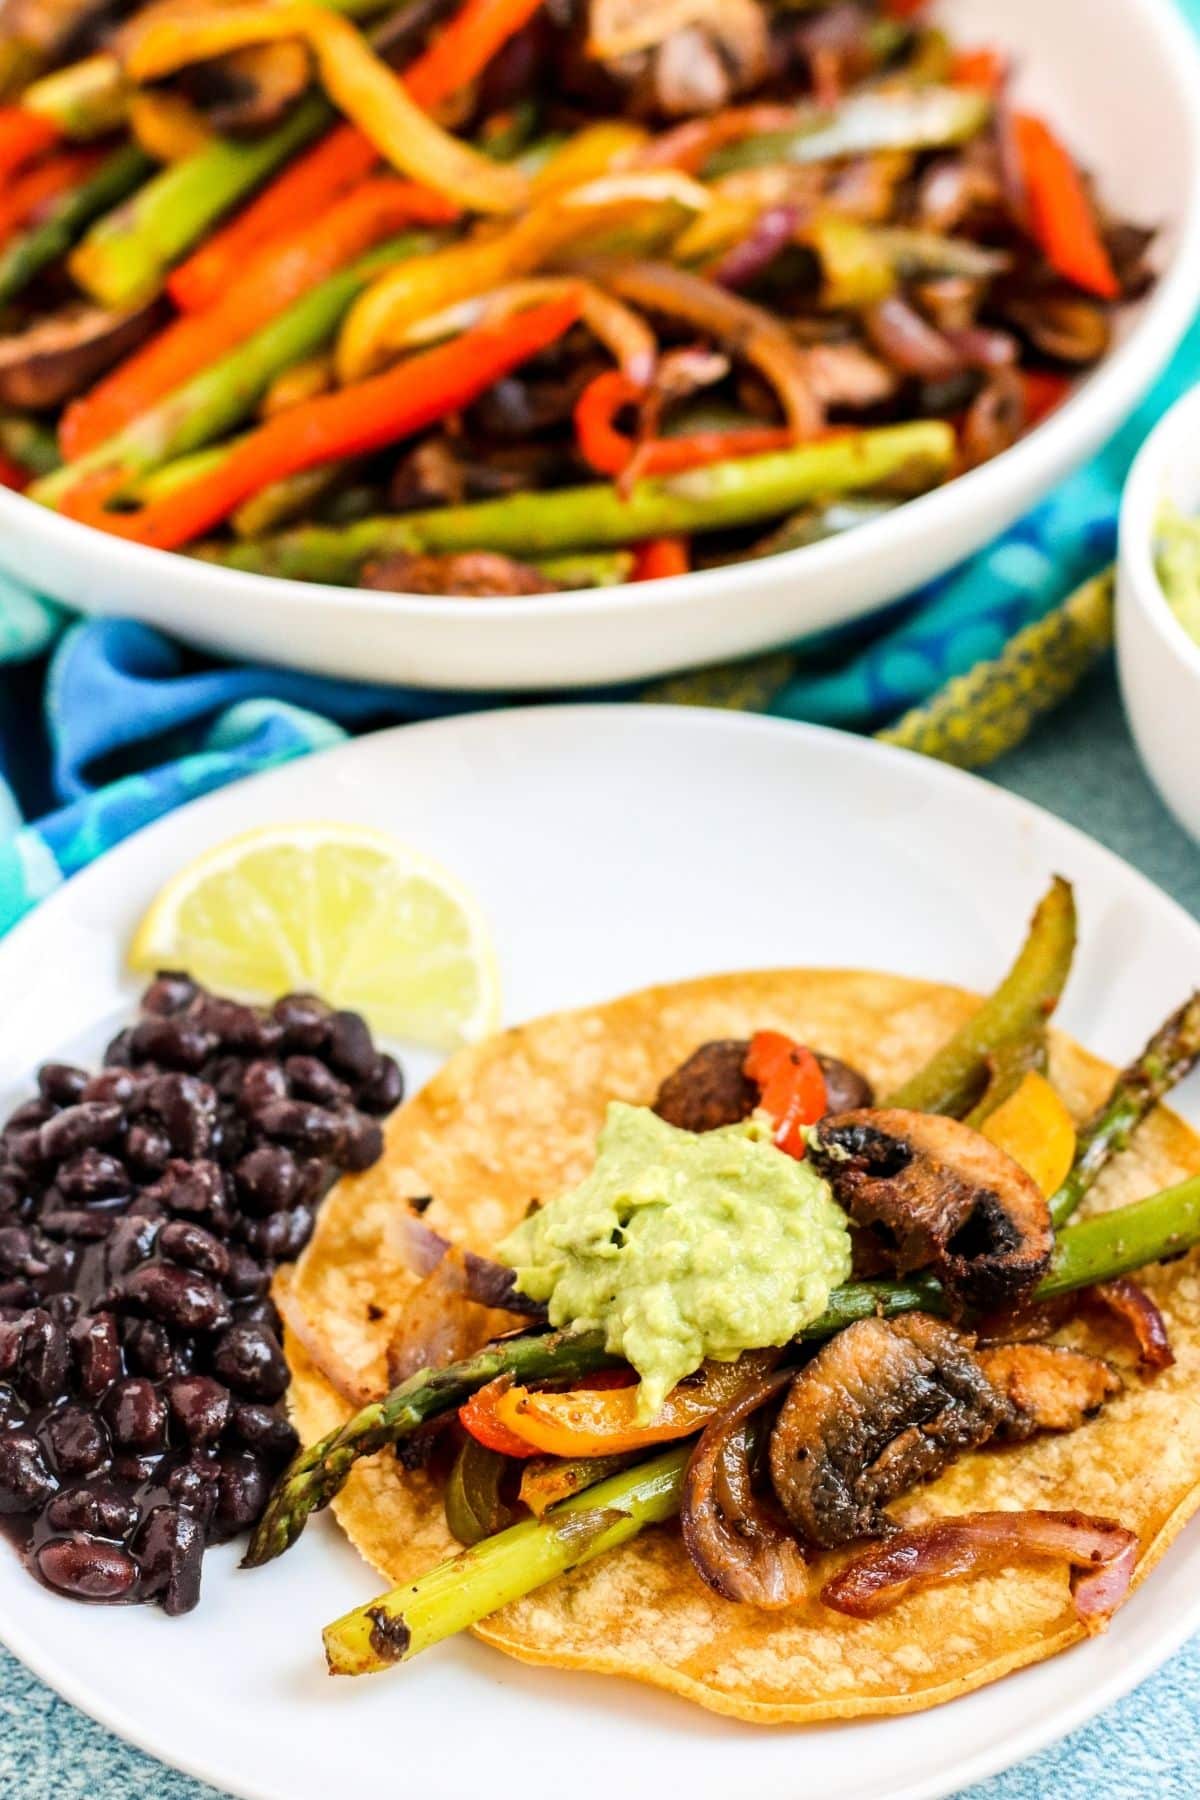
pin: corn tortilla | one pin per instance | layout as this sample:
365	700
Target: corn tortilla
515	1119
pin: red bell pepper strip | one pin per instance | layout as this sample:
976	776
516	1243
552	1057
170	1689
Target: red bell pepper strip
792	1087
660	557
350	422
1044	389
25	197
610	452
1061	219
275	277
983	69
12	475
23	135
460	53
479	1418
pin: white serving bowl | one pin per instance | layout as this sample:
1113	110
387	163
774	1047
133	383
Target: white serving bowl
1120	78
1159	663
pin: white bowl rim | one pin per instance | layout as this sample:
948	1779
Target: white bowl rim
1090	413
1167	445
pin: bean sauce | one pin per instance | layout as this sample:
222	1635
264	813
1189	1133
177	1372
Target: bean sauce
143	1210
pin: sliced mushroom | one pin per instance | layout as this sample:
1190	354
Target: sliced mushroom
711	1088
939	1195
1069	329
59	357
883	1406
468	574
681	57
249	90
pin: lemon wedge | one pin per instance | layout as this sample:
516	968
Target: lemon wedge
347	912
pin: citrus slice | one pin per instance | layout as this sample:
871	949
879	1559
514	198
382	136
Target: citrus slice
346	912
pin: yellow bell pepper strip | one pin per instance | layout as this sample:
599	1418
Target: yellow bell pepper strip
624	333
1060	213
603	1421
356	80
791	1087
350	422
1035	1128
596	150
379	320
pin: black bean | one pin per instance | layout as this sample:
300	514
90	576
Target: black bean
77	1222
25	1148
187	1108
12	1410
130	1242
199	1408
96	1507
14	1198
282	1236
136	1414
311	1079
25	1481
265	1430
384	1087
261	1312
266	1179
233	1025
87	1567
183	1242
247	1278
63	1262
170	1549
19	1253
362	1145
11	1337
119	1084
148	1348
192	1486
224	1075
16	1297
45	1357
97	1352
30	1113
81	1127
75	1438
249	1359
134	1468
242	1490
92	1175
297	1122
119	1055
169	992
305	1021
177	1297
314	1180
61	1082
173	1042
351	1050
262	1083
148	1148
66	1307
198	1191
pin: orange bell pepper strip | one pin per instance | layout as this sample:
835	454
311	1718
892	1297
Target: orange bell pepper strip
23	135
983	69
278	275
460	53
659	557
600	1422
792	1087
1035	1128
610	452
26	196
350	422
1061	219
478	1414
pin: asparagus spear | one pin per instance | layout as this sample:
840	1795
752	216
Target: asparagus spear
1099	1249
1015	1014
466	1588
1171	1054
126	254
738	492
221	396
35	249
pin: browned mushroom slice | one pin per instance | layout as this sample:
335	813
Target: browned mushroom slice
711	1088
469	575
1050	1388
939	1195
249	90
61	356
883	1406
738	1546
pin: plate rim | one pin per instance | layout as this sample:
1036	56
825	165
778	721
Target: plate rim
1126	1672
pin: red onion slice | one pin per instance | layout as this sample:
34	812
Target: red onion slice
979	1543
486	1282
1132	1305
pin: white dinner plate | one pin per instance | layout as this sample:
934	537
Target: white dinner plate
610	848
1118	78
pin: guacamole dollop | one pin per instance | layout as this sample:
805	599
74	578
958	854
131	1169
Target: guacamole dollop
1177	559
682	1246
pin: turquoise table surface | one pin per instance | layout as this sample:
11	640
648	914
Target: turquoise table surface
1082	766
